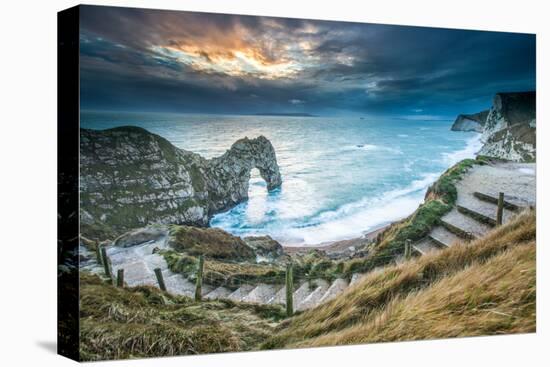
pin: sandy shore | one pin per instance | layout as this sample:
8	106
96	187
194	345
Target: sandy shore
337	246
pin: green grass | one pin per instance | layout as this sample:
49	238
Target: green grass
444	188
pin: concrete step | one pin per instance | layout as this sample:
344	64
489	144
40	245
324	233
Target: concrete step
338	286
279	298
464	226
315	296
218	293
443	237
510	202
486	213
263	293
425	246
177	284
300	294
241	292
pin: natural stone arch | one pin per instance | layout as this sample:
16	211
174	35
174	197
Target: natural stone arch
230	173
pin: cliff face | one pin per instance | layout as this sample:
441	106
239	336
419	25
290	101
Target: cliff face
509	129
473	122
130	177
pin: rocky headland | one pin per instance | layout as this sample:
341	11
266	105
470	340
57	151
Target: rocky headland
508	129
130	178
473	122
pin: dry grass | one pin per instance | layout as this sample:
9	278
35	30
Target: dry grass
484	288
145	322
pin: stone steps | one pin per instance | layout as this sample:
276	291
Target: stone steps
177	284
425	246
241	292
338	286
485	214
510	203
463	225
262	293
217	293
314	298
443	237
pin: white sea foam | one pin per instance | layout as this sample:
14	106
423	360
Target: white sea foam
353	219
473	146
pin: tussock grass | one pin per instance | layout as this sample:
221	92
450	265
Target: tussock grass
483	288
145	322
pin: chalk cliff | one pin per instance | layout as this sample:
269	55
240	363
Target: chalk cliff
130	177
509	129
473	122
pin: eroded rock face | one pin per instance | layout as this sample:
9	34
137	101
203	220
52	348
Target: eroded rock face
473	122
130	178
509	129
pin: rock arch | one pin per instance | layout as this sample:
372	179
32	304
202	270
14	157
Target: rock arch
230	173
130	177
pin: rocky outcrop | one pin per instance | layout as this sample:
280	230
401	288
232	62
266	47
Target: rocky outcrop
265	247
213	243
473	122
130	178
509	130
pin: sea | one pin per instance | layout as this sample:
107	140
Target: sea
342	176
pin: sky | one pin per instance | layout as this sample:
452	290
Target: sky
173	61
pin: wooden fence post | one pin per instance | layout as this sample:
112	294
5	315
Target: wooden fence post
106	265
289	290
198	286
98	252
408	249
160	279
500	208
120	278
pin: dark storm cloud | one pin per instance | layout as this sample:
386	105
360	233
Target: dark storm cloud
179	61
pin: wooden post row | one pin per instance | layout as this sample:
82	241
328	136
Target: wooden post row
98	252
160	279
106	266
289	290
198	286
120	278
408	249
500	208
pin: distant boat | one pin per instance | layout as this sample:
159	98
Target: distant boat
361	118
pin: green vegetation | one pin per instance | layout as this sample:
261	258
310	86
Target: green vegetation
444	188
487	287
145	322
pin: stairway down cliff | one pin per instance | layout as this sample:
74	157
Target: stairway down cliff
130	177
